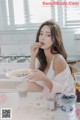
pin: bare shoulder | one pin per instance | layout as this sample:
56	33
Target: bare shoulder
59	64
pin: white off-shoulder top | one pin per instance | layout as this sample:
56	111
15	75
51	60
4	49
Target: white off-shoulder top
62	82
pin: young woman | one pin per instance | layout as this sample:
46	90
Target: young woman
52	69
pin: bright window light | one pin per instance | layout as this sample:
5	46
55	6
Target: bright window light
38	12
18	7
7	12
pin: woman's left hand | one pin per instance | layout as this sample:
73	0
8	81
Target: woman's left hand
36	75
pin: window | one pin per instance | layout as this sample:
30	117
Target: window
18	9
16	14
40	14
24	13
72	14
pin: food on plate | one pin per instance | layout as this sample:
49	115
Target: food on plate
19	73
78	91
78	86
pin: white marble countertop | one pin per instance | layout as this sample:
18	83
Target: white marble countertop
25	109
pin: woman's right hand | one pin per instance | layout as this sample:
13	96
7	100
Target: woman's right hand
35	48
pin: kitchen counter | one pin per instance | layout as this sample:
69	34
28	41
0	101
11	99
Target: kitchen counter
23	108
9	84
73	58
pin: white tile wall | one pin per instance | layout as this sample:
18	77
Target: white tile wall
0	39
72	45
12	42
15	49
68	40
13	39
19	42
77	46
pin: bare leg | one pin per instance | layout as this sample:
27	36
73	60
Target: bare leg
33	87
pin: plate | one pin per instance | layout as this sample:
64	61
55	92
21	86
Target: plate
18	73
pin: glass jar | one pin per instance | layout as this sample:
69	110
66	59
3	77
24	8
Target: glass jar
77	85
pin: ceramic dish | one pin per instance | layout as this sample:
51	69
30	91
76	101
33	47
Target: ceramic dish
18	73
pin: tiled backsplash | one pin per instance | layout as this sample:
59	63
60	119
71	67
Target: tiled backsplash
23	49
14	50
8	63
15	58
15	42
19	42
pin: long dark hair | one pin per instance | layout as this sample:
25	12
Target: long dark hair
56	48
